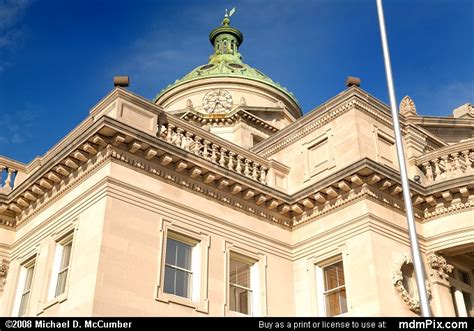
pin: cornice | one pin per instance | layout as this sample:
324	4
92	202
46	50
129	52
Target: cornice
172	160
422	134
59	190
184	182
365	179
450	122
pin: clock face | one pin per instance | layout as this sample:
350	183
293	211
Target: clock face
217	101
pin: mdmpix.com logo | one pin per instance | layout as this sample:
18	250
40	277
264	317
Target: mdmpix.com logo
433	324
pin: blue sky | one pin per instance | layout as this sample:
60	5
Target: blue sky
58	58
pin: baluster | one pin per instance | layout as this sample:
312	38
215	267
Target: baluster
197	145
230	164
447	166
169	133
8	180
467	160
428	171
254	171
238	168
205	152
178	137
214	154
263	175
456	163
187	141
437	169
222	158
247	168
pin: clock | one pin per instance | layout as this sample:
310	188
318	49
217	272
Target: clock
217	101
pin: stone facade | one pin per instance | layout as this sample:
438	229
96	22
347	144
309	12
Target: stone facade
224	164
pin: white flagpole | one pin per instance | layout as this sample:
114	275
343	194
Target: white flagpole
417	261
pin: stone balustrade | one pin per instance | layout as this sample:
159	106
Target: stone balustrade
12	173
221	155
448	162
7	177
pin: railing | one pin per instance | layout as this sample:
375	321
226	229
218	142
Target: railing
223	156
12	173
448	162
7	177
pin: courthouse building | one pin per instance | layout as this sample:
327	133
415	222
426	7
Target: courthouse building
219	198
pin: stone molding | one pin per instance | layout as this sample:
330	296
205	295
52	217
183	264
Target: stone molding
179	148
287	211
199	187
397	280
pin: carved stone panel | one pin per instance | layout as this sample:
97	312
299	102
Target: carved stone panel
403	278
439	268
3	273
407	107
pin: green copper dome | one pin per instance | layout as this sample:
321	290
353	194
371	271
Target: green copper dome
226	61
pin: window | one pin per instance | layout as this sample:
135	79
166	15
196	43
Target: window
64	268
319	154
178	273
334	289
24	288
244	279
61	265
182	266
240	292
462	290
464	277
182	277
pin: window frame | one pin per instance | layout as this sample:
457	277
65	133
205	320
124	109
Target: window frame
312	170
326	292
250	263
315	267
64	269
193	244
258	264
382	136
199	264
27	264
59	241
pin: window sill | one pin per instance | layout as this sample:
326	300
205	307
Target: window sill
232	313
57	300
202	307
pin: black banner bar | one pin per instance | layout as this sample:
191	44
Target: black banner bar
247	323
